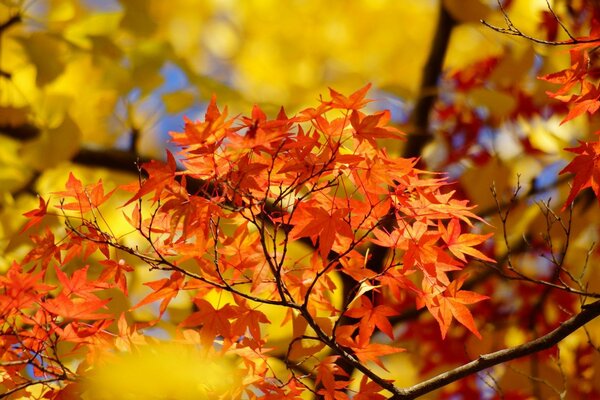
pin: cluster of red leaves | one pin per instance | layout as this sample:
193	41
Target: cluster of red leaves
318	177
579	77
586	167
581	92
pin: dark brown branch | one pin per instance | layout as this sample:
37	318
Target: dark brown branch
114	159
512	30
588	313
421	134
15	19
20	132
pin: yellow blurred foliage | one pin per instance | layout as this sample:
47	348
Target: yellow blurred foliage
161	371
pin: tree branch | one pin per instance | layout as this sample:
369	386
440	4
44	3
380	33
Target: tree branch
429	83
15	19
588	313
512	30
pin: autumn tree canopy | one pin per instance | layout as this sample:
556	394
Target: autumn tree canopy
426	226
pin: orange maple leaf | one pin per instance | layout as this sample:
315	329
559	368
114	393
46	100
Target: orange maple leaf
160	175
371	317
571	76
115	271
215	322
371	127
163	289
355	101
35	216
367	351
86	198
76	309
461	244
315	222
586	167
587	101
449	302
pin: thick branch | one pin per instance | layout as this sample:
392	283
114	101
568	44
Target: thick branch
484	361
15	19
114	159
429	82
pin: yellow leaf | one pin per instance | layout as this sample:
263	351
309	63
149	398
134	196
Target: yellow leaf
161	371
13	174
467	10
138	18
178	101
46	53
499	104
54	146
13	116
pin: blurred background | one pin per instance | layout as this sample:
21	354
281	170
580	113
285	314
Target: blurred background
91	86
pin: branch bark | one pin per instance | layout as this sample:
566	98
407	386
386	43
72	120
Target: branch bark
432	70
588	313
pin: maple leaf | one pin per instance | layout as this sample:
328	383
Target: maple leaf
160	176
78	284
45	249
371	127
85	242
449	302
115	271
457	298
76	332
86	198
247	318
371	317
35	216
393	239
315	222
20	289
76	309
587	101
214	322
369	390
204	136
163	289
586	167
461	244
327	370
372	352
355	101
571	76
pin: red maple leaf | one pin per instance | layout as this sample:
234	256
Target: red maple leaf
215	322
163	289
371	317
587	101
372	352
247	318
571	76
371	127
369	390
586	167
461	244
115	271
327	370
160	175
45	249
355	101
76	309
86	198
35	216
315	222
78	284
449	302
